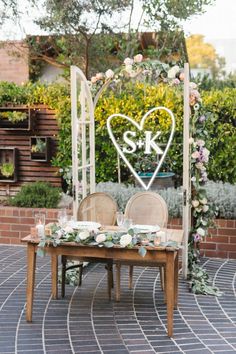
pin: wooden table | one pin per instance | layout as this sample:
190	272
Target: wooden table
168	256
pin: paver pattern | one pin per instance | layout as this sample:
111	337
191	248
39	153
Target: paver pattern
85	322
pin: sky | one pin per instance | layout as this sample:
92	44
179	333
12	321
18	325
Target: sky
219	21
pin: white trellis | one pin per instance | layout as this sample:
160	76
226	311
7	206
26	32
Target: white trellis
82	137
83	146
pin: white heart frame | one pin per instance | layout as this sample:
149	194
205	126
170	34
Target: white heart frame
140	128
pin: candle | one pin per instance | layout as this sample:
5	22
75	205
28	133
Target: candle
40	230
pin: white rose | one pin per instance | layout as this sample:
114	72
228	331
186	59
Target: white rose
125	240
83	235
128	61
68	229
109	74
129	68
192	85
173	71
203	201
200	231
99	76
138	58
200	142
191	141
195	203
100	238
205	208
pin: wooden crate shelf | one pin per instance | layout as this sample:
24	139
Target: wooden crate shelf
39	148
26	124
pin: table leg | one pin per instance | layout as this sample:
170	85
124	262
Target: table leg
118	266
170	291
54	271
31	263
176	279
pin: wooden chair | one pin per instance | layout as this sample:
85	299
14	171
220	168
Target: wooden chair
144	208
101	208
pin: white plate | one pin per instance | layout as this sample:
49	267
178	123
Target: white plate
85	225
143	229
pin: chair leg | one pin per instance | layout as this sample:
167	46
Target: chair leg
131	270
81	267
63	275
118	266
161	270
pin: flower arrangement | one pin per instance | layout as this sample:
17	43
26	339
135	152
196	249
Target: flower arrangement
124	239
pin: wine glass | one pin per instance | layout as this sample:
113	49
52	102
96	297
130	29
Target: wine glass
127	223
62	217
120	218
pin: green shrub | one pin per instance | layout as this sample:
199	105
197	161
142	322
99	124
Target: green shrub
37	195
222	195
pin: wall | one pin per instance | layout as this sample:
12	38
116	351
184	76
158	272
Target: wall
14	66
15	224
28	170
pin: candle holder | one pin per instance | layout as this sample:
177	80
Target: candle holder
40	224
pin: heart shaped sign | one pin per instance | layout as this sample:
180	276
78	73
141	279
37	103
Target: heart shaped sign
140	128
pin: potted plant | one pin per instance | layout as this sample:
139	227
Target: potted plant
16	118
146	166
38	148
7	169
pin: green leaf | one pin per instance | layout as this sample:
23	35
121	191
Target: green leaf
142	251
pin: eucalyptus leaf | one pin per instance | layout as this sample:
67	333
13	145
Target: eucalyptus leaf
142	251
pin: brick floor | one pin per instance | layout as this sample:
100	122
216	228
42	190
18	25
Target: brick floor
85	322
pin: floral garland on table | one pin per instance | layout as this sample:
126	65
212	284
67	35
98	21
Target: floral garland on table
125	239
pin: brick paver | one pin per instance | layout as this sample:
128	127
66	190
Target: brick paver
85	322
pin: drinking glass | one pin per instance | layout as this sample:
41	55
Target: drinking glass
127	223
39	220
62	217
120	218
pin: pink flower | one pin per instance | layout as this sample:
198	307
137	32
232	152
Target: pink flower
192	85
93	79
181	76
138	58
176	82
195	155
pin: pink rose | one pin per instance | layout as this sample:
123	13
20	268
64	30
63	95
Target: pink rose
138	58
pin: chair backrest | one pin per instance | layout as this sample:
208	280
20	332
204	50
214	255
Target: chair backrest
99	207
147	208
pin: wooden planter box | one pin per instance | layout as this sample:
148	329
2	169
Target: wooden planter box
8	155
26	124
39	156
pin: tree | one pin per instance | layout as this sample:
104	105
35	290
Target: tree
203	55
85	32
